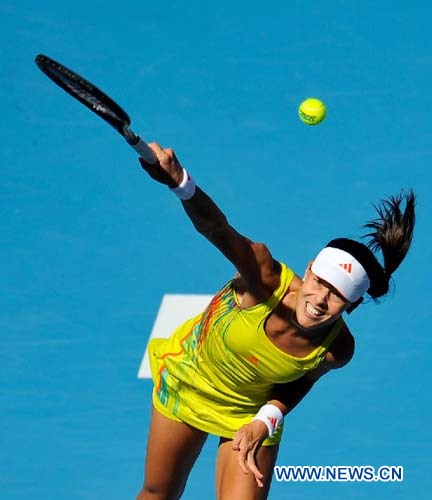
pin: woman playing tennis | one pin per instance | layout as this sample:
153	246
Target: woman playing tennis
263	341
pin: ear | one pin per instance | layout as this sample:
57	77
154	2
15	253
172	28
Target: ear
354	305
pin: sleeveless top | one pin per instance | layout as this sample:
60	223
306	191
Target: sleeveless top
218	368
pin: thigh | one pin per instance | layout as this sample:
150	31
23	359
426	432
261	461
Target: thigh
232	483
172	449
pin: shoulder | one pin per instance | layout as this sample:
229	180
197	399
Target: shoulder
342	348
296	283
339	354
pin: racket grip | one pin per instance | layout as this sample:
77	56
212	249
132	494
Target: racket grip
144	151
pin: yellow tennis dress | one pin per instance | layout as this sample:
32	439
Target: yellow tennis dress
218	368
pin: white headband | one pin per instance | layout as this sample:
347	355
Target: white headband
342	271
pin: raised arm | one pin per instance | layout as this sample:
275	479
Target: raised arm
253	260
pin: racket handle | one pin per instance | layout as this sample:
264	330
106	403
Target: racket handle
144	151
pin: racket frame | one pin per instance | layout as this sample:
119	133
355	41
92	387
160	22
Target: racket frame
97	101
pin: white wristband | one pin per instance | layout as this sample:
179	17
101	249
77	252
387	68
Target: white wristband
271	416
186	189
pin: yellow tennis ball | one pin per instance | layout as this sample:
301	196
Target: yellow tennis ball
312	111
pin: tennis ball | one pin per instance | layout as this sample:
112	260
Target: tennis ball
312	111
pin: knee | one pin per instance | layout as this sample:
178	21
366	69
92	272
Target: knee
159	492
149	492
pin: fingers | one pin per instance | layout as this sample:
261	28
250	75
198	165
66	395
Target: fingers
157	150
167	170
246	457
162	154
242	448
251	463
236	441
153	169
155	147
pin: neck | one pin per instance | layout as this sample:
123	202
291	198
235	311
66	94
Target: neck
311	333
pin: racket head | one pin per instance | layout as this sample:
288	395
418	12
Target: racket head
85	92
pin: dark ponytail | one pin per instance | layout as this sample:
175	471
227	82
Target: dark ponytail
392	233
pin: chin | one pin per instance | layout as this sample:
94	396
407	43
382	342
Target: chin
311	323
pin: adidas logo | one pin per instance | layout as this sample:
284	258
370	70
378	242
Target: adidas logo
346	267
273	421
253	360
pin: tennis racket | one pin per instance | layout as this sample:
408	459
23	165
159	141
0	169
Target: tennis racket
98	102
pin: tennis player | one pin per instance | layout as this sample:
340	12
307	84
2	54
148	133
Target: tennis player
261	344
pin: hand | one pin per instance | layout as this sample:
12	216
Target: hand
247	441
167	170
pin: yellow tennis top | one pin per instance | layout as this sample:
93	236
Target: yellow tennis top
218	368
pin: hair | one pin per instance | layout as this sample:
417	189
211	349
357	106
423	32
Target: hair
391	233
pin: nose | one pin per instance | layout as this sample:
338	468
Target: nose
321	298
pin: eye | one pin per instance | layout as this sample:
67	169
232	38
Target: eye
337	297
317	282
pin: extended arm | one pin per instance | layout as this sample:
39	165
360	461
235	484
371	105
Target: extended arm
253	260
209	220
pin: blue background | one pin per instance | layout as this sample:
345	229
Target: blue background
89	244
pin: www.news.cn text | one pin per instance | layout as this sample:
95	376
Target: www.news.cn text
338	473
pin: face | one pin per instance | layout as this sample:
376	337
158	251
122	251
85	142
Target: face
318	303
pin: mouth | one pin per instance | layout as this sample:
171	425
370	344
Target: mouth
313	311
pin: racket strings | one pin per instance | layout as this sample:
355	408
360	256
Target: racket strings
86	93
